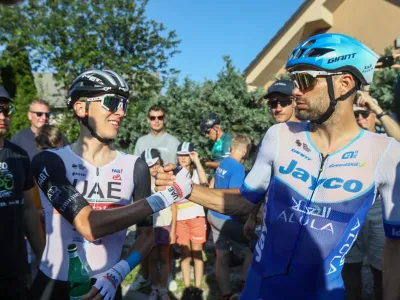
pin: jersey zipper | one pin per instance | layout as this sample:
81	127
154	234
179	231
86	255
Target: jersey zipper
305	215
97	196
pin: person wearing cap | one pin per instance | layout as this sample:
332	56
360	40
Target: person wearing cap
191	222
211	127
280	99
370	241
18	216
158	138
164	223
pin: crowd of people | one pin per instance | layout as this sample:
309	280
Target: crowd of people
319	202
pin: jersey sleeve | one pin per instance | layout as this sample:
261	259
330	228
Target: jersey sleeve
257	181
137	148
142	182
50	174
388	180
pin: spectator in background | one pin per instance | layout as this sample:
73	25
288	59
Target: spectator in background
191	223
210	126
370	240
158	138
48	137
227	230
396	98
18	216
39	115
281	101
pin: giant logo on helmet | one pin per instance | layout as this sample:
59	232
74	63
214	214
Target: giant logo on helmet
341	57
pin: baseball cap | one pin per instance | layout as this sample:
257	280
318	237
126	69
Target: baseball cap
151	156
4	94
285	87
185	148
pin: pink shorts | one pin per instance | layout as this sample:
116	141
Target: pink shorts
193	230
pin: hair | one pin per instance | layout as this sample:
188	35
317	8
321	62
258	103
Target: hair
156	108
192	293
39	101
48	137
240	141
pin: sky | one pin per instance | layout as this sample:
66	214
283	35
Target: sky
210	29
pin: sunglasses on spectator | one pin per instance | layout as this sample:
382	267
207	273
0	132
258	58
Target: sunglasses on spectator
39	114
159	118
363	113
305	80
273	103
112	102
7	110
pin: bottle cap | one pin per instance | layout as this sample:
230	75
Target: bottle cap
72	248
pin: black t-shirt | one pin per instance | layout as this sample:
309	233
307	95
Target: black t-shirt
15	178
25	138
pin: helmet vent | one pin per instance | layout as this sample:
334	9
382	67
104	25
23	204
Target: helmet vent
300	53
309	43
316	52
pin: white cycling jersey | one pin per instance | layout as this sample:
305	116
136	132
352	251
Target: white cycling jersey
111	186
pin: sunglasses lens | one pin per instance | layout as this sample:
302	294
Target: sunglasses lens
364	114
112	103
273	103
7	109
303	81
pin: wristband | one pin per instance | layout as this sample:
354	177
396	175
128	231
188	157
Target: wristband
379	116
133	259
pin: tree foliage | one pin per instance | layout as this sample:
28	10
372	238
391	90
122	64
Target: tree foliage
241	111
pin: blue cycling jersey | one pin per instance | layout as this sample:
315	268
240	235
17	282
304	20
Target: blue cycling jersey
315	207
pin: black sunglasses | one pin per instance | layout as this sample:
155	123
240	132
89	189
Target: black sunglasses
273	103
7	110
363	113
159	118
39	113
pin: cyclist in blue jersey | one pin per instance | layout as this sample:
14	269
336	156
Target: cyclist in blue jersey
322	178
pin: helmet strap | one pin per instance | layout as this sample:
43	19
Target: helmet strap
85	122
333	101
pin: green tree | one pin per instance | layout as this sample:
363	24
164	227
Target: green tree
71	36
241	111
382	87
17	79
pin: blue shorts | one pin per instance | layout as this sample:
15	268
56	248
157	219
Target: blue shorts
282	287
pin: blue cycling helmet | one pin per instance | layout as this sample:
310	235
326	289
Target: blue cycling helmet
335	52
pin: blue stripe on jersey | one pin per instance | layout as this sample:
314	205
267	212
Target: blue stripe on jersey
252	195
392	229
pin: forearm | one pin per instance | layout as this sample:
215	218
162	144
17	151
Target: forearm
144	242
392	129
201	172
174	210
33	230
227	201
391	267
95	224
212	164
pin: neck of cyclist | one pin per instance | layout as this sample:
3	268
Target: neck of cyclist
90	148
157	132
340	126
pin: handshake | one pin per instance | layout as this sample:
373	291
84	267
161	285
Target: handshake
171	188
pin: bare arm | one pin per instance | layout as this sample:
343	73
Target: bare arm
228	201
212	164
144	243
50	173
200	170
174	210
391	127
391	267
33	230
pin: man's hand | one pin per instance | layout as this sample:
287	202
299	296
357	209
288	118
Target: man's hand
107	283
365	100
249	228
165	177
180	189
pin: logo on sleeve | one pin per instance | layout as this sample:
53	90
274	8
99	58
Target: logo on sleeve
42	177
53	192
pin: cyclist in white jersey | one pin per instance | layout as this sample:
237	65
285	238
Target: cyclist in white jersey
322	177
87	190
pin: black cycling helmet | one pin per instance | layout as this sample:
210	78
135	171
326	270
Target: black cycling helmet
92	83
95	82
209	122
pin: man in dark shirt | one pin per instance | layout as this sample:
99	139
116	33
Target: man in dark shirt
18	216
39	115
